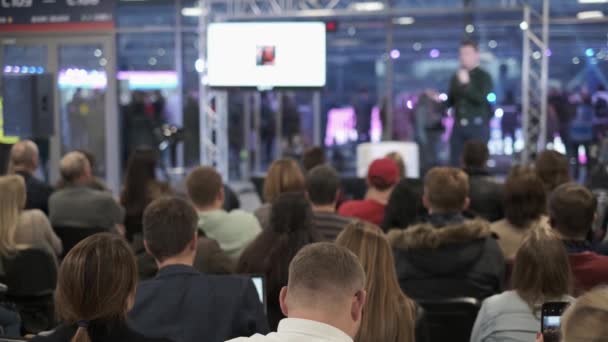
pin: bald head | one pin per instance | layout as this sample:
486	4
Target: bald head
75	168
24	156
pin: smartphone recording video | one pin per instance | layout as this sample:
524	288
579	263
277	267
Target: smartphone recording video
551	320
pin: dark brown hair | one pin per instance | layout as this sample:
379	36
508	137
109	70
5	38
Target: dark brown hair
572	210
169	225
446	188
542	270
96	282
389	314
284	175
471	43
525	199
322	183
312	157
475	154
141	171
204	184
553	169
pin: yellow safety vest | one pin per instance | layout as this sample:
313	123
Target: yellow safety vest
5	139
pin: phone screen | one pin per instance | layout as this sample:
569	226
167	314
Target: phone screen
551	320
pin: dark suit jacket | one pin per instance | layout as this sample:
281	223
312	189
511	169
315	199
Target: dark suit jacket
38	192
99	333
185	305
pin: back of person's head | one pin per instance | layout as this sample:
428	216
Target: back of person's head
141	170
585	320
24	156
389	314
541	271
291	214
326	283
313	157
284	175
74	166
446	189
12	201
205	187
383	174
552	168
170	228
398	159
96	284
323	185
475	155
572	210
525	199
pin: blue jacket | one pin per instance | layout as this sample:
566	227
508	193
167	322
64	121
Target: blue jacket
186	306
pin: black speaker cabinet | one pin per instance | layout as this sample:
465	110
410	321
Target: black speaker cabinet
28	105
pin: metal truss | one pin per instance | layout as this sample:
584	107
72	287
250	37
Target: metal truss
535	75
214	131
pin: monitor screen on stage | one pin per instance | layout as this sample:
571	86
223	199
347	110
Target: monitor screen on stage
266	55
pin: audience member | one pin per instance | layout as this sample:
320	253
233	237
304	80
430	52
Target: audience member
180	302
585	320
290	229
323	188
140	188
553	169
78	205
571	214
405	205
23	228
24	159
525	204
232	230
95	290
382	176
284	175
389	314
398	159
313	157
448	256
541	274
323	298
485	192
95	182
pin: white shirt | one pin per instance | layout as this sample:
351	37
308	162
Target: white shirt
300	330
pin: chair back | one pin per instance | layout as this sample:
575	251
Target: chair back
71	236
449	319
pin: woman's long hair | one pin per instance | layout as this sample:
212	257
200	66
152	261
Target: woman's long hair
141	171
389	315
96	283
12	202
541	271
284	175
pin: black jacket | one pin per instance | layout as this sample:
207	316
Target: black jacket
98	332
185	305
458	258
470	101
486	195
38	192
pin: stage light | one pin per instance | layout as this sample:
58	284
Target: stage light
492	44
199	65
404	21
586	15
592	1
40	70
395	54
589	52
536	55
524	25
409	104
548	52
469	28
152	61
499	112
103	62
434	53
192	11
8	69
331	26
491	97
417	46
576	60
97	53
443	97
370	6
352	31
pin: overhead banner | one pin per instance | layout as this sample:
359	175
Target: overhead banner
56	15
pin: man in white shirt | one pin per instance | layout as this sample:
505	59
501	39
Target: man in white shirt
323	299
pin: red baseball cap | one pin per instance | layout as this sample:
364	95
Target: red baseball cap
383	173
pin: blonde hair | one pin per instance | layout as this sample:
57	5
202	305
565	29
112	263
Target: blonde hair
12	202
284	175
396	156
389	315
585	320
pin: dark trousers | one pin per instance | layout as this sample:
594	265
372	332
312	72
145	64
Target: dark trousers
5	153
462	133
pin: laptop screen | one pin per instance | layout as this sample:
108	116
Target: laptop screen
260	287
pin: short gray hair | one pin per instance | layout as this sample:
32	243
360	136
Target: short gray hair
24	155
73	166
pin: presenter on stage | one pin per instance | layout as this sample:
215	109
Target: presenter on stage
468	96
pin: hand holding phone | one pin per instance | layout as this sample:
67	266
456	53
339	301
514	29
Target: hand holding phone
551	320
